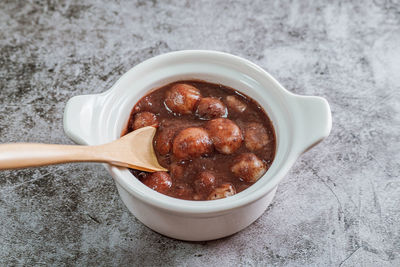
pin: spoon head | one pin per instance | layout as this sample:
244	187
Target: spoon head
136	151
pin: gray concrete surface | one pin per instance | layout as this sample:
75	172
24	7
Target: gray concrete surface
339	205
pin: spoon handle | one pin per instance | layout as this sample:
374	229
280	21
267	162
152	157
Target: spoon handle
23	155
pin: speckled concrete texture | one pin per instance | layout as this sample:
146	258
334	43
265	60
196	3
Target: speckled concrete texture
339	205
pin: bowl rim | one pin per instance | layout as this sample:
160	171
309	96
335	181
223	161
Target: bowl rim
175	205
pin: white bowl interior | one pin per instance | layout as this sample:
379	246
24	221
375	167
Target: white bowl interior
228	70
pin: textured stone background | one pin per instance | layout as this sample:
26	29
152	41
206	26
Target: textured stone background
339	205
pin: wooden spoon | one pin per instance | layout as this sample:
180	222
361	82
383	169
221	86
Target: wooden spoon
134	150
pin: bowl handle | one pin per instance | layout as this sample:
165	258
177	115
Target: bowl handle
78	118
312	120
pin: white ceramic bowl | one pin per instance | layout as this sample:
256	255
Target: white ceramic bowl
300	122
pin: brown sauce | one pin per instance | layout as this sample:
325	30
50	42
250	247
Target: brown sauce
230	144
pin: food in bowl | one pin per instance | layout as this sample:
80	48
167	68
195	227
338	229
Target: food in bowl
300	122
214	141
